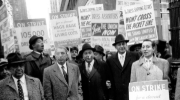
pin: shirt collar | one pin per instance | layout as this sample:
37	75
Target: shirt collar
22	79
61	65
124	54
91	63
150	59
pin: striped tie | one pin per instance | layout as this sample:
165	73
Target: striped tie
21	94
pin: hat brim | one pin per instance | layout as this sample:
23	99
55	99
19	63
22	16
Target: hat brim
135	45
30	45
100	52
82	51
119	42
17	62
4	64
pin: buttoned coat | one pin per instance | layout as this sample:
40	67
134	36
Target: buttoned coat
8	90
160	70
55	85
94	84
121	74
35	67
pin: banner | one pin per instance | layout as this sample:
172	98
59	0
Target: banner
25	29
85	20
120	4
104	26
149	90
65	28
140	22
7	38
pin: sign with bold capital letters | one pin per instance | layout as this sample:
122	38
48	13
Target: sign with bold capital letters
149	90
25	29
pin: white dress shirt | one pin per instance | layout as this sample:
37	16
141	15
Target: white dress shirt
24	86
148	62
89	69
65	67
122	58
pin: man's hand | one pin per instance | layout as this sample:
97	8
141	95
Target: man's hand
108	84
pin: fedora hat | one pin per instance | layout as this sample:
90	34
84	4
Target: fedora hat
87	46
119	38
99	49
32	40
131	48
15	58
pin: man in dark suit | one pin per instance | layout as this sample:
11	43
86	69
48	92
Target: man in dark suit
60	81
19	86
120	68
93	75
37	61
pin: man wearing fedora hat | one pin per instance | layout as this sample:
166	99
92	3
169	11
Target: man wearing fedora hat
120	68
37	61
93	75
4	72
99	52
19	86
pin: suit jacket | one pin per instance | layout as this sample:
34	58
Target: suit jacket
55	85
35	67
121	75
94	85
8	90
159	70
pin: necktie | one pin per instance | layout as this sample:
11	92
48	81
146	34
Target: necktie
65	74
21	94
122	60
88	70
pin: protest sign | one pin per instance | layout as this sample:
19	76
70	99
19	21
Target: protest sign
149	90
140	22
7	38
85	19
104	26
119	5
25	29
65	28
124	3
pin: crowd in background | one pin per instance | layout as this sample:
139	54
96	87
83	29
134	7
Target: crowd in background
88	74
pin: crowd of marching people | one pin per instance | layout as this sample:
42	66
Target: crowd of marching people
88	74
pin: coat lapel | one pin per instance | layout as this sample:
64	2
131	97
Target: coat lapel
84	70
30	87
36	56
127	59
117	62
70	73
11	84
59	74
94	69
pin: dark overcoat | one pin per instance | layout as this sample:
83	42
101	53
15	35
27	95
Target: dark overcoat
94	84
35	66
121	75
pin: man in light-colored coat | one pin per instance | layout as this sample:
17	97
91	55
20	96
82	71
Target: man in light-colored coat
19	86
8	90
61	79
149	67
